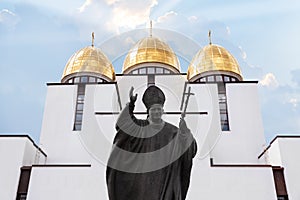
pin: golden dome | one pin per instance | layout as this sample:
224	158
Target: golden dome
151	49
89	60
214	59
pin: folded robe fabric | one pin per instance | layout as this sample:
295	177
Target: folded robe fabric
149	162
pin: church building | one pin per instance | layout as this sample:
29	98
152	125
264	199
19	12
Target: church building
80	112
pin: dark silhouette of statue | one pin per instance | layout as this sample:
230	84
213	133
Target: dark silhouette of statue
151	159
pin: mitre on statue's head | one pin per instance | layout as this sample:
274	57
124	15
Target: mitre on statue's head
153	95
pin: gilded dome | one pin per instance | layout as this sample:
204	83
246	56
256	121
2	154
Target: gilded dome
151	49
213	59
89	60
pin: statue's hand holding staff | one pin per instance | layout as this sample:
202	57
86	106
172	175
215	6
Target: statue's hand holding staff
182	126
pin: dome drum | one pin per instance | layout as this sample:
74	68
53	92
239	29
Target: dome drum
222	73
85	77
163	66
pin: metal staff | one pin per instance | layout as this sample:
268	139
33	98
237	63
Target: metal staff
186	102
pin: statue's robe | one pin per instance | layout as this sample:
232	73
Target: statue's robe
149	162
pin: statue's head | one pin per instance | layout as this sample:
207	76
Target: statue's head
154	100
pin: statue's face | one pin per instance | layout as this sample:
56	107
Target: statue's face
156	112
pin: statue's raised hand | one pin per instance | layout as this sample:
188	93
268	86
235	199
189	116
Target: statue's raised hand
131	96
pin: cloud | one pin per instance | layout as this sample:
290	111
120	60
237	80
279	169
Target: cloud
131	13
166	16
294	102
8	18
109	2
228	30
192	18
4	14
113	16
280	106
280	116
269	81
243	53
129	41
85	5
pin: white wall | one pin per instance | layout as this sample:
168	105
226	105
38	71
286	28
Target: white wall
15	152
235	183
172	86
288	149
11	154
92	145
273	155
207	182
61	183
98	131
245	140
56	136
62	144
140	85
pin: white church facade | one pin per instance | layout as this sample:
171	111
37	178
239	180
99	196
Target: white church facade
80	113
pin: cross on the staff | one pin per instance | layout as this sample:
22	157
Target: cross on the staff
188	94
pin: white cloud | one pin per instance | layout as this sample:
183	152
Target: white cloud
114	16
192	18
228	30
294	102
130	13
4	13
269	80
109	2
8	18
243	53
129	41
85	5
166	16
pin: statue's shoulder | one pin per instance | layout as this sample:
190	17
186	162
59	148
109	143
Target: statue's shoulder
171	126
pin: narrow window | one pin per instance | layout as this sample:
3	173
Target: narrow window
223	106
76	80
99	80
151	79
226	79
143	71
280	183
166	71
219	78
210	79
84	79
151	70
92	79
23	183
159	70
79	107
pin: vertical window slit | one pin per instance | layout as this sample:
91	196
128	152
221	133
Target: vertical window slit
23	183
223	106
79	107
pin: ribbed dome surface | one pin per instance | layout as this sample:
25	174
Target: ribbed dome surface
213	58
150	49
89	60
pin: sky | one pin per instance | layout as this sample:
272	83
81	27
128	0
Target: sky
38	37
